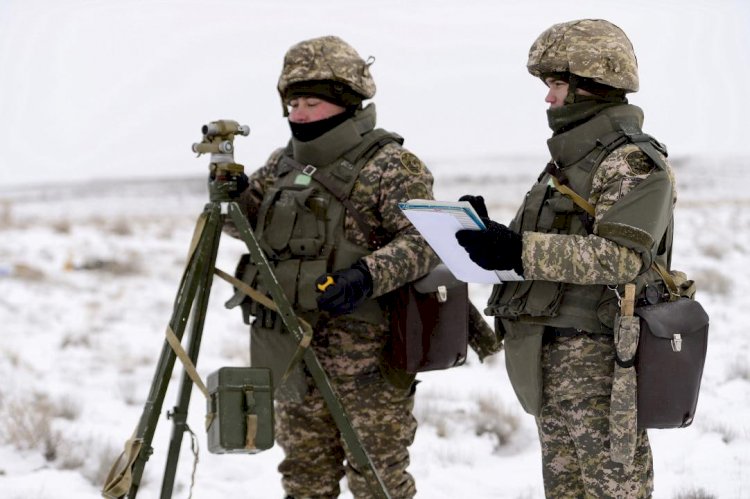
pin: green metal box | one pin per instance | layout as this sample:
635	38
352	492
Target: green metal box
239	416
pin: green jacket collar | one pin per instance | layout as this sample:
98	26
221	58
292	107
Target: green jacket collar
335	142
571	146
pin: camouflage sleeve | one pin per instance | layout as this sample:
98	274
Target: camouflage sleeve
592	259
393	176
249	201
482	338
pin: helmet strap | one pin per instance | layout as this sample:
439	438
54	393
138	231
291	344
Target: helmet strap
572	87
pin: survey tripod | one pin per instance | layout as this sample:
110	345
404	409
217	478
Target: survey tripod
192	297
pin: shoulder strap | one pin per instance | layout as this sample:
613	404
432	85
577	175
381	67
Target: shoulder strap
371	144
649	145
574	196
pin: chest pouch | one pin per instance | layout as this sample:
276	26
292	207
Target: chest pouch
534	298
296	226
239	417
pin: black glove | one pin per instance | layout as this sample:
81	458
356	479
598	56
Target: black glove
239	182
477	202
242	183
495	248
344	290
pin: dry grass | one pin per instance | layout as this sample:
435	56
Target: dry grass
27	272
494	418
90	456
26	423
694	494
727	432
739	369
491	417
6	213
62	226
428	413
712	281
121	227
715	251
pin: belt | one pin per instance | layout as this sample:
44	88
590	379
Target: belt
550	333
563	332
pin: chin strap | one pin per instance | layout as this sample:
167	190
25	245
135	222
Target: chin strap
572	87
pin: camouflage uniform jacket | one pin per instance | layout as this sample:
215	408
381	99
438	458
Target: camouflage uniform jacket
569	261
390	176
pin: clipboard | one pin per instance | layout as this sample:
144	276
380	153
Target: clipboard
438	222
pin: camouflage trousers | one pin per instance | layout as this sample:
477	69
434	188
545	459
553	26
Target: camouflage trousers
574	429
316	458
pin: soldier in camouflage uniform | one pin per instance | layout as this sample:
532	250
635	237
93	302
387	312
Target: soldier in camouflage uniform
576	255
325	210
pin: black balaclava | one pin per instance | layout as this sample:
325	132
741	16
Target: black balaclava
305	132
330	91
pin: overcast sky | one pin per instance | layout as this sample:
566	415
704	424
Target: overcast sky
121	88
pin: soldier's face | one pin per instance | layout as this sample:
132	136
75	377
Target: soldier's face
309	109
558	90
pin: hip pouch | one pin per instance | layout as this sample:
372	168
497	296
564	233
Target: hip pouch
669	362
429	323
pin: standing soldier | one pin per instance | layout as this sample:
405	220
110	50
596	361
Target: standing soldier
598	217
325	210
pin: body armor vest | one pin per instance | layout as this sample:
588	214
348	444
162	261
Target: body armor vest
301	221
577	153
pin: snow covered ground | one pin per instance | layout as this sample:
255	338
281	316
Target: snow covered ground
90	272
99	193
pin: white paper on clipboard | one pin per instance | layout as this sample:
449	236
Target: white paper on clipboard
438	222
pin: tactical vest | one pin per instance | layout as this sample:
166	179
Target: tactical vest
578	153
301	224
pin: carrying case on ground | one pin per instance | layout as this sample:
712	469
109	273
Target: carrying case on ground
239	415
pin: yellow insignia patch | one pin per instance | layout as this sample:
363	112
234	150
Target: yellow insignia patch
411	163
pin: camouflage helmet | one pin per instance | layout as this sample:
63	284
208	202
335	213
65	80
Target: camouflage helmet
589	48
327	58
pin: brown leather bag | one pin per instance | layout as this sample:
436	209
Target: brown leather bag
429	323
669	362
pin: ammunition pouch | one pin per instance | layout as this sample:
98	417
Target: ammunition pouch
295	226
532	298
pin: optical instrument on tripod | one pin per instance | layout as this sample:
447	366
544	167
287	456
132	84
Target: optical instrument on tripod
240	405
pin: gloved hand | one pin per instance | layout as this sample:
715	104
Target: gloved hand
344	290
495	248
240	182
477	202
